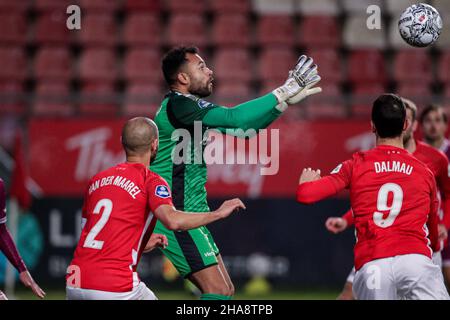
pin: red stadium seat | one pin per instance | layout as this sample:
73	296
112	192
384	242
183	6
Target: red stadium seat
276	30
327	105
446	97
182	6
142	99
231	30
98	100
52	99
14	28
269	85
98	65
12	99
98	29
142	65
418	92
142	29
274	64
99	5
13	64
231	93
14	6
326	109
413	66
319	31
187	29
329	63
447	91
233	6
49	5
233	65
51	28
444	67
53	63
143	5
363	96
367	66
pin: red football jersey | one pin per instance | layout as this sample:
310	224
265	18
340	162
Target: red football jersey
118	221
437	162
394	202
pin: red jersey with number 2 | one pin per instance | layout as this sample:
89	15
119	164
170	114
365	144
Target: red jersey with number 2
393	197
118	221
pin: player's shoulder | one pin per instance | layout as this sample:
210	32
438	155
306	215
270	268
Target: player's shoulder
154	178
187	101
157	185
419	166
431	151
130	170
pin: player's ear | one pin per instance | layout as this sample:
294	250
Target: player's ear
154	145
415	125
372	126
405	124
183	78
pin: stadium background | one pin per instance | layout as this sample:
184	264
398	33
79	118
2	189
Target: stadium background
68	92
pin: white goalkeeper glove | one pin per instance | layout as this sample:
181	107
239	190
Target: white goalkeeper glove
299	83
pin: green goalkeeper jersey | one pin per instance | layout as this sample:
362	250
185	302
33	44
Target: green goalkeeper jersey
187	178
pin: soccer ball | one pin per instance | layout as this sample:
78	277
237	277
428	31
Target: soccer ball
420	25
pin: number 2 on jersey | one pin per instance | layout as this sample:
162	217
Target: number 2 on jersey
90	241
382	204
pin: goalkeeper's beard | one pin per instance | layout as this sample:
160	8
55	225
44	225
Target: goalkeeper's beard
201	91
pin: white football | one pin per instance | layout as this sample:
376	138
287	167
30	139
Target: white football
420	25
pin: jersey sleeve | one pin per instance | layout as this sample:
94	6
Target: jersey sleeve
348	216
432	222
158	193
255	114
84	213
443	183
2	202
338	180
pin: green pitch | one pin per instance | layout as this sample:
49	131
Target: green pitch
184	295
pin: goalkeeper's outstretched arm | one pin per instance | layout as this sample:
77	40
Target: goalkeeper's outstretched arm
261	112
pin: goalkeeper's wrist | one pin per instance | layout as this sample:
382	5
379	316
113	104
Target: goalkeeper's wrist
282	94
282	106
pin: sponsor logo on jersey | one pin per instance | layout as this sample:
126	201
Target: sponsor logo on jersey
209	254
337	169
162	191
204	104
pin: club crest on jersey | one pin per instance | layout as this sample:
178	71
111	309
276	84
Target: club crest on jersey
162	191
203	104
337	169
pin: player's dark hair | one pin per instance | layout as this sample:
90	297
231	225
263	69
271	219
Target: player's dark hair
173	60
388	115
432	108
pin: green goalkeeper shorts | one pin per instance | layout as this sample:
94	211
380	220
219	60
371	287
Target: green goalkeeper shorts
189	251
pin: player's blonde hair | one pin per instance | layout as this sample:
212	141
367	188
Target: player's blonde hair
411	106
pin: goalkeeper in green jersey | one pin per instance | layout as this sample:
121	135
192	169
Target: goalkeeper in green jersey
194	253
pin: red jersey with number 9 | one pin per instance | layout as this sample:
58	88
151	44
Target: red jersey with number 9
117	223
394	202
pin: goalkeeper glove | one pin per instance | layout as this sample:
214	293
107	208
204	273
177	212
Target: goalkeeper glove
299	83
